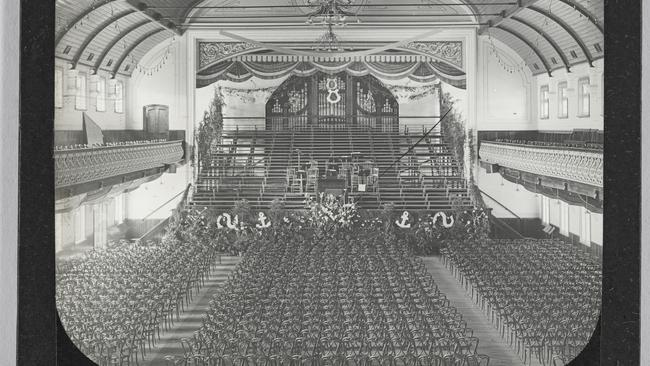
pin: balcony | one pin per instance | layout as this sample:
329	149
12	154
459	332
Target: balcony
95	164
578	165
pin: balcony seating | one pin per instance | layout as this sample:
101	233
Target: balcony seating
542	295
259	166
358	301
567	143
113	303
107	144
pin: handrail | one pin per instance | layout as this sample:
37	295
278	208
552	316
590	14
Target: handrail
114	147
506	226
579	166
266	118
417	142
549	147
184	192
94	164
499	203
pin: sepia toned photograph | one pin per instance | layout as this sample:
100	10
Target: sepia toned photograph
329	182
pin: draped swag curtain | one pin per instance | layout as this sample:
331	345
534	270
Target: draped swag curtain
421	71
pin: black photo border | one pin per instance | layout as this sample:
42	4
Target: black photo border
42	340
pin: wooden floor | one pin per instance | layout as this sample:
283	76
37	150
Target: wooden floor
190	320
490	341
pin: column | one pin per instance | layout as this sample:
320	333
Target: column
119	208
58	238
99	218
564	219
585	228
80	224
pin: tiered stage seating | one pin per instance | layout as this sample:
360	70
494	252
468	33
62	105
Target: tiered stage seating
543	295
254	165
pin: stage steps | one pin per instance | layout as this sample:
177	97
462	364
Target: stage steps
253	165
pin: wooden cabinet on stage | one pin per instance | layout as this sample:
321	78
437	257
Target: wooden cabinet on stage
156	121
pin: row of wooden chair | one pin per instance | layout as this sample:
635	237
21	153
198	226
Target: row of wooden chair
333	301
542	295
114	302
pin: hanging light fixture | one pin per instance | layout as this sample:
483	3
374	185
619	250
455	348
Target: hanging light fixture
330	12
328	42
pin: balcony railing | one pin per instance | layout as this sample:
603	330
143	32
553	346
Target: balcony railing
92	164
564	163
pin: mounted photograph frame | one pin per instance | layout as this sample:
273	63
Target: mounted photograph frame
42	338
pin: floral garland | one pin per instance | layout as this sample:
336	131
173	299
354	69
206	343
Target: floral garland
405	94
245	95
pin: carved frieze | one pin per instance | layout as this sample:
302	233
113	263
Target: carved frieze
92	164
449	51
572	165
211	52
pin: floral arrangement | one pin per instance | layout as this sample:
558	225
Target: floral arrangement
423	232
328	212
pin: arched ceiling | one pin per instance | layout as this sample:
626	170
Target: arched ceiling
113	35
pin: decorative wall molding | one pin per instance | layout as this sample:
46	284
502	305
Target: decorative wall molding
212	52
449	51
87	165
572	165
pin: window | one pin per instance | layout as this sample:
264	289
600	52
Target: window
563	100
101	95
58	87
543	102
80	97
119	97
584	102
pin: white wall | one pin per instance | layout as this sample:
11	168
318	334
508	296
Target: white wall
69	118
504	99
572	219
150	200
574	121
521	202
166	86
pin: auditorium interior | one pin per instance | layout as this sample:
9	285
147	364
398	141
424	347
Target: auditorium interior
329	182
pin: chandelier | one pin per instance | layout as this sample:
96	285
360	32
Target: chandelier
330	12
328	42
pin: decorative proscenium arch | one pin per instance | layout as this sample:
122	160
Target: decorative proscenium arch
420	61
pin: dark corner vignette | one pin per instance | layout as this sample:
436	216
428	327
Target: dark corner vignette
356	154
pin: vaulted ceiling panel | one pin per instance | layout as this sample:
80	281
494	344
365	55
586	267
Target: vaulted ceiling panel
80	34
138	49
522	46
100	41
538	40
556	32
109	34
125	40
